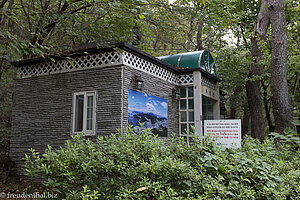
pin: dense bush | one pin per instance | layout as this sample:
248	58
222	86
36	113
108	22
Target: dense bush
140	166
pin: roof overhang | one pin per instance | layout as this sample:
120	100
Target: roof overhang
94	48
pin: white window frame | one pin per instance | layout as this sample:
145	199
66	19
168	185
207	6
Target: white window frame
86	95
186	110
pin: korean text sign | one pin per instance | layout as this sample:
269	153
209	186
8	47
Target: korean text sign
225	132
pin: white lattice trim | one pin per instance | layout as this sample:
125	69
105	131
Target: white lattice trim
206	82
107	59
78	63
148	67
185	79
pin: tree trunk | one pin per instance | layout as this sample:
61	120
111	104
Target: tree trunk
255	109
253	86
267	106
283	114
233	103
245	123
268	115
232	111
1	68
199	36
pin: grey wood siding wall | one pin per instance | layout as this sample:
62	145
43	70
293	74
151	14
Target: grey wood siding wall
42	108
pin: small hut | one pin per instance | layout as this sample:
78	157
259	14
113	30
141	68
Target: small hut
98	90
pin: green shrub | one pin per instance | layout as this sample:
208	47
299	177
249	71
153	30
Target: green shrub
290	138
141	166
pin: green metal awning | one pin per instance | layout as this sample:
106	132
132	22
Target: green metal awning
197	59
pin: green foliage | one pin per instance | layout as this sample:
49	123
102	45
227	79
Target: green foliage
141	166
6	91
233	65
290	137
39	28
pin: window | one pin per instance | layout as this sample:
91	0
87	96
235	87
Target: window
186	112
207	108
84	112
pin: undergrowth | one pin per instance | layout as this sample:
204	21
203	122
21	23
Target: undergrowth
141	166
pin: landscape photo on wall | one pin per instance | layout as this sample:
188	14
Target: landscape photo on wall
150	110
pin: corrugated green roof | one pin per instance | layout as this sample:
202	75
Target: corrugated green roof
197	59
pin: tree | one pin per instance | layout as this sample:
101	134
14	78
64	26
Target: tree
190	25
283	114
253	87
39	28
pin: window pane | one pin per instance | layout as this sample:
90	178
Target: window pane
183	129
207	108
190	92
191	116
183	116
182	92
210	115
183	104
89	117
191	103
79	113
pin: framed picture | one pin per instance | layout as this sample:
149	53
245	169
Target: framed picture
150	110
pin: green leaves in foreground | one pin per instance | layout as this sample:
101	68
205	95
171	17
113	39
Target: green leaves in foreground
290	137
141	166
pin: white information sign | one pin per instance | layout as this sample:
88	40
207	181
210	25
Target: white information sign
225	132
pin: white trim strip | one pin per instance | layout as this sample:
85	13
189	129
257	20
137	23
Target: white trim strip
62	66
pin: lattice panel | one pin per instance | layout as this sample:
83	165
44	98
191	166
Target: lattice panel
107	59
206	82
186	79
148	67
62	66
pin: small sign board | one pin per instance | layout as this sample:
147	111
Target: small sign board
226	133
